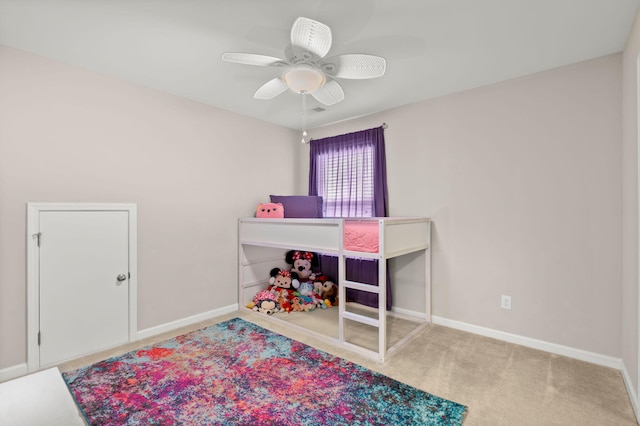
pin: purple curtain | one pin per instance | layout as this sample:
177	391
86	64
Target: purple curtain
349	171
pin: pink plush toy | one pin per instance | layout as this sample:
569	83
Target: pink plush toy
270	210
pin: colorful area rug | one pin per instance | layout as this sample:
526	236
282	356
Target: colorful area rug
236	372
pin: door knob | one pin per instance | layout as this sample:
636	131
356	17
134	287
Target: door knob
121	277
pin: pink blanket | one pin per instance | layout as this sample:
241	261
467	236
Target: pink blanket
361	236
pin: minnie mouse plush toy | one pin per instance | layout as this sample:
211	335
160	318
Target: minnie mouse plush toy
302	263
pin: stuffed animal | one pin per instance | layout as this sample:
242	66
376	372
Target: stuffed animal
295	304
308	296
302	263
299	305
326	289
265	302
285	304
270	210
281	278
283	284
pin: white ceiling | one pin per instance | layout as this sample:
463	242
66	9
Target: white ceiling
432	47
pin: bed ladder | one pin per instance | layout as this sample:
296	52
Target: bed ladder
380	322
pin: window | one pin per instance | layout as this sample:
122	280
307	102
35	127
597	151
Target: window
345	182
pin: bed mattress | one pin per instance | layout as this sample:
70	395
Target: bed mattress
361	236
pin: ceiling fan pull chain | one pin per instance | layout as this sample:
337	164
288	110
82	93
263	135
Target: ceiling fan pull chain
304	116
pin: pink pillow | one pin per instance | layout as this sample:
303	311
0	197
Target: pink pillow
272	210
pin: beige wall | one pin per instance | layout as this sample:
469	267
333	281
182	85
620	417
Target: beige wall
67	135
523	182
630	206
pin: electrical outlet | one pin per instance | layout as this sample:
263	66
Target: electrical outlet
505	302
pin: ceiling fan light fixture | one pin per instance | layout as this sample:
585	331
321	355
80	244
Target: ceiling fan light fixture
304	79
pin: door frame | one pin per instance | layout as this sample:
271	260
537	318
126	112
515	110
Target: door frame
33	268
636	403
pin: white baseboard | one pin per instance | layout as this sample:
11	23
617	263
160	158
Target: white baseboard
632	393
13	372
408	313
153	331
592	357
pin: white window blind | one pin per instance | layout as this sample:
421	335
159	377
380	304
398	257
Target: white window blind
345	182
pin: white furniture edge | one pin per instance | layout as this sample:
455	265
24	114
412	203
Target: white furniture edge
41	398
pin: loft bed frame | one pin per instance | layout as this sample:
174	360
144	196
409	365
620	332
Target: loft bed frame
262	243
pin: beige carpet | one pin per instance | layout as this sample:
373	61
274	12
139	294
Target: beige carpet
325	322
501	383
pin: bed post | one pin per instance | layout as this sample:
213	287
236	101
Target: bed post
342	290
382	295
427	277
241	261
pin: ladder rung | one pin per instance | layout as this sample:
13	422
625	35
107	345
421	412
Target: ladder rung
360	318
364	287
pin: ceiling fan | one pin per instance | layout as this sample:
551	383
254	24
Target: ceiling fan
306	70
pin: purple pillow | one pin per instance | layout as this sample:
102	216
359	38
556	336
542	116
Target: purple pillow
305	206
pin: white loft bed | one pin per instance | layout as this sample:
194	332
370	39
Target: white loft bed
262	242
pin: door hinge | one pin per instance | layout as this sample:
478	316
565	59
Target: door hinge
39	338
37	237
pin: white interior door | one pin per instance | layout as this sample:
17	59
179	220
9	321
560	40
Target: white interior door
83	282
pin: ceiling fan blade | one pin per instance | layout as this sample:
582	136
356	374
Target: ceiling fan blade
330	93
253	59
310	36
355	66
270	89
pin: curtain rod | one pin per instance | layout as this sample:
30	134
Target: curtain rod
384	127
